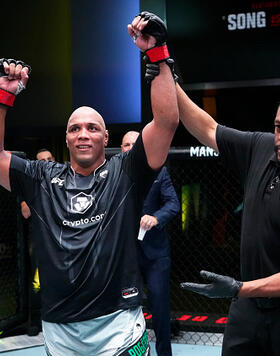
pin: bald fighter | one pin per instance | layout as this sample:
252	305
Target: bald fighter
86	213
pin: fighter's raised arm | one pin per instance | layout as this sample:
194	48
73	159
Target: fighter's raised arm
13	79
149	34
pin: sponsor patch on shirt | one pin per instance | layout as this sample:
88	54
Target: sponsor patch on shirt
58	181
103	174
129	292
81	202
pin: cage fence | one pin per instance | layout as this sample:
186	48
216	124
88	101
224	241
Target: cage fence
205	235
13	293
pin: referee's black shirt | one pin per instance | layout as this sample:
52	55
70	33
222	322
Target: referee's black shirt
252	158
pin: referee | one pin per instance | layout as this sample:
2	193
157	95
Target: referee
254	157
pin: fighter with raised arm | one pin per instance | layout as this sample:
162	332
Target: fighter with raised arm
13	79
86	214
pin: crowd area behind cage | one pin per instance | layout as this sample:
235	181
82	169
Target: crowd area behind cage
204	235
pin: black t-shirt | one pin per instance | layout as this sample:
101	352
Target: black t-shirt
252	158
85	231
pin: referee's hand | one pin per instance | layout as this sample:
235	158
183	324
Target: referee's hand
219	286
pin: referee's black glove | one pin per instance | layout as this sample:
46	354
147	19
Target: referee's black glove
220	286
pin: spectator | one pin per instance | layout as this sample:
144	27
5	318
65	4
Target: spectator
160	206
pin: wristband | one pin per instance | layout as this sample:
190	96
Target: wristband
157	54
6	98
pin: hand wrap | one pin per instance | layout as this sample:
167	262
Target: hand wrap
155	27
159	53
220	286
7	98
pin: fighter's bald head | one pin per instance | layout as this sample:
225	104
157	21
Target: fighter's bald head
88	113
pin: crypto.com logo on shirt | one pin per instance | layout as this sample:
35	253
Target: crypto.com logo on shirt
81	202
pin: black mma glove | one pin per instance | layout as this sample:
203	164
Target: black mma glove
9	61
155	27
7	98
220	286
159	53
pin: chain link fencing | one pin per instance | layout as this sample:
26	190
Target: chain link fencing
205	235
13	262
13	291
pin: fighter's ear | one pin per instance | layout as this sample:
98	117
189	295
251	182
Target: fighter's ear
106	138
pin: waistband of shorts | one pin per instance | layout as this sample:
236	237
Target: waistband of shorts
141	347
267	303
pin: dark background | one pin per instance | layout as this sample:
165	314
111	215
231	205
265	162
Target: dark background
206	50
232	75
